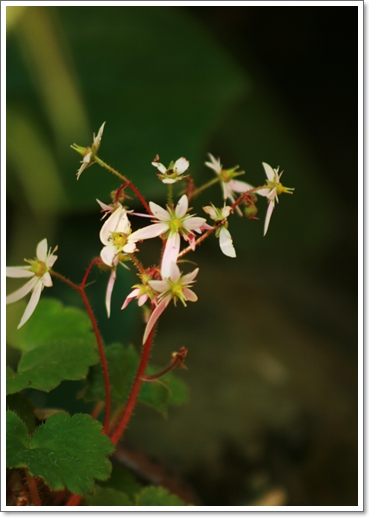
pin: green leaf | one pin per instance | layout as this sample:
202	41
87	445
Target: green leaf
122	364
47	366
67	452
154	495
50	321
24	408
122	480
107	496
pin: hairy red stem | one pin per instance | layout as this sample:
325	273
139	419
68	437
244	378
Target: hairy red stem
32	488
135	389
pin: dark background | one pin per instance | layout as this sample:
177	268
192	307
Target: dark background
273	338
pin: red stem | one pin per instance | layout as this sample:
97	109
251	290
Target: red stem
74	500
32	487
131	402
81	291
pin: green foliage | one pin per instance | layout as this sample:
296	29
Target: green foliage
50	321
107	496
24	408
57	344
154	495
122	364
122	480
67	452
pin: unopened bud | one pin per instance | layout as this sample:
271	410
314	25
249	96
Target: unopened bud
250	211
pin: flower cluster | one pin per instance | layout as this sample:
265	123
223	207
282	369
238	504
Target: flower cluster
172	224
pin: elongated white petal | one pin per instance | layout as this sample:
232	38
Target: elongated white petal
31	306
238	186
189	277
110	225
214	164
19	271
159	212
42	250
168	181
108	293
51	260
46	280
182	206
228	192
170	254
129	297
211	211
149	232
161	168
270	208
108	254
129	247
159	286
270	173
193	223
23	291
272	194
226	243
142	299
104	206
98	137
190	295
181	165
264	192
154	317
175	272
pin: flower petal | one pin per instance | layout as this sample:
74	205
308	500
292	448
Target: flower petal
46	280
170	254
189	277
19	271
270	173
190	295
154	317
42	250
108	293
23	291
193	223
226	243
150	231
181	165
129	297
50	260
108	254
182	206
104	206
272	194
211	211
264	192
214	164
110	225
168	181
159	286
270	208
142	299
175	272
238	186
159	212
31	306
161	168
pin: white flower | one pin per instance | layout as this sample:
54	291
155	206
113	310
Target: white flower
272	191
176	287
173	173
38	269
89	153
226	177
172	223
117	237
226	242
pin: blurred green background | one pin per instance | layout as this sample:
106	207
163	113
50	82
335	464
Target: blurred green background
272	364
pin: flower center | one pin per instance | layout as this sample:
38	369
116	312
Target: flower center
175	225
225	175
177	291
119	239
39	268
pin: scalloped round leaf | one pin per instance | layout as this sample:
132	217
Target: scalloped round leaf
156	495
50	320
107	496
46	366
66	452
